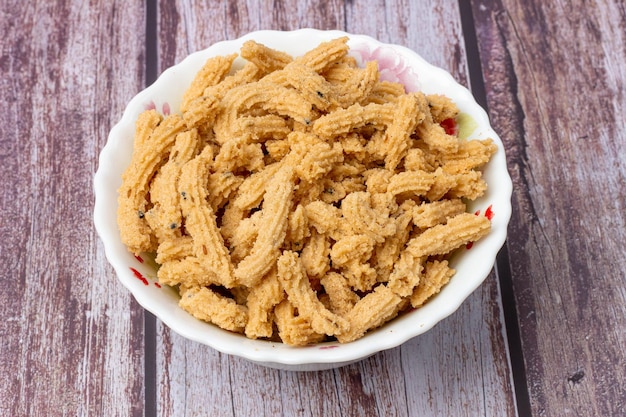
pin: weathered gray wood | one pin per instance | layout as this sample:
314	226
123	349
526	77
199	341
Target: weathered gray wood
459	368
71	339
554	75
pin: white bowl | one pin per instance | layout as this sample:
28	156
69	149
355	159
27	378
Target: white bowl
395	62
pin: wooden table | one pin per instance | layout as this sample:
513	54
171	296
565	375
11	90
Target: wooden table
545	335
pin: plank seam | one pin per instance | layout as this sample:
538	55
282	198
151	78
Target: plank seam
502	266
150	333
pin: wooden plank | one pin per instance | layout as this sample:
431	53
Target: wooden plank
71	338
554	80
459	368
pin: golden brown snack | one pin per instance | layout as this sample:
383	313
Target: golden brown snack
295	329
207	305
371	312
267	59
154	142
165	216
325	55
436	275
410	111
444	238
441	108
341	296
300	294
266	248
200	222
315	255
213	71
437	212
261	302
301	200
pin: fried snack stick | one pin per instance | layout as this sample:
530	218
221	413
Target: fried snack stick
311	85
315	254
165	217
295	329
236	154
353	145
248	74
326	219
444	238
409	112
297	228
441	107
417	183
417	159
212	72
441	185
299	293
174	249
371	311
435	137
252	189
261	302
231	218
189	271
357	210
377	180
267	59
342	298
387	252
350	255
272	98
200	221
201	112
471	154
406	274
275	212
260	128
383	92
146	122
318	160
342	121
436	275
437	212
326	54
221	186
352	84
207	305
244	236
468	185
133	193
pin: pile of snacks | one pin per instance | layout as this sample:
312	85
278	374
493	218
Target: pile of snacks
301	199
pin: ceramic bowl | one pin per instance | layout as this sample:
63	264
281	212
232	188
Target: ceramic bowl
396	63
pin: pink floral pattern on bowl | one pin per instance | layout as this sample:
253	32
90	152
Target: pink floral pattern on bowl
165	108
391	65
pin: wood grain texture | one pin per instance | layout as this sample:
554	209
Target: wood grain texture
554	74
459	368
71	338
